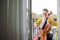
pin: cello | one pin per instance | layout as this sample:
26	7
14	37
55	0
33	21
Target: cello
43	32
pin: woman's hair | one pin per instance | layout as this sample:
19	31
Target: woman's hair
45	9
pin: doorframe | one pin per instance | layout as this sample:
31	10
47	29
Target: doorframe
58	10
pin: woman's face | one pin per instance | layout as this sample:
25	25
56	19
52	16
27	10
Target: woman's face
45	13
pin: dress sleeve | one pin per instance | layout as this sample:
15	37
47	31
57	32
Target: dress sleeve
51	20
38	21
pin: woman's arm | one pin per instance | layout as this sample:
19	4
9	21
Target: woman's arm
51	19
38	22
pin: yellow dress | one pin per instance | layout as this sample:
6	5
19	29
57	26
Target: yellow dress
38	22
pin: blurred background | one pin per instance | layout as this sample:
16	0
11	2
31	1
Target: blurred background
37	7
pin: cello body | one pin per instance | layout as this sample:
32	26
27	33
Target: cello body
43	33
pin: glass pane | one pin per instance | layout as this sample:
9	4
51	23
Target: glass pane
44	20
